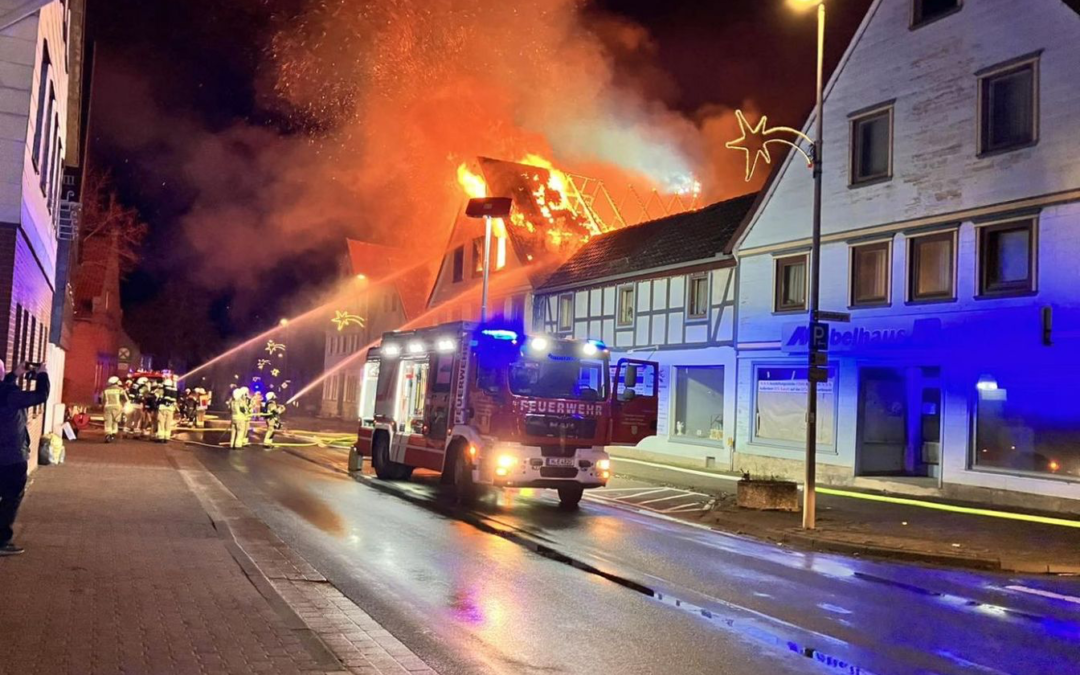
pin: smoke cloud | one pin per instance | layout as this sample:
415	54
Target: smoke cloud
382	99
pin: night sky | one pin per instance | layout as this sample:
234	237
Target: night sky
169	73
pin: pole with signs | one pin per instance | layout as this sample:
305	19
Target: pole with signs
487	269
815	372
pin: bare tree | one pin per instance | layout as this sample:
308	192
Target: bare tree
105	216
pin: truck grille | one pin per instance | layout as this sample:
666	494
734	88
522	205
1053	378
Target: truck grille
558	472
546	426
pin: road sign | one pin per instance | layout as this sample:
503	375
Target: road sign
819	359
818	374
819	337
839	317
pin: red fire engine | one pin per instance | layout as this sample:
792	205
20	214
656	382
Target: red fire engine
488	406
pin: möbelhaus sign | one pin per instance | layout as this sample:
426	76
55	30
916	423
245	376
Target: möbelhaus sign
884	334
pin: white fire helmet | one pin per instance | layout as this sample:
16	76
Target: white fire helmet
168	381
114	380
200	390
141	380
270	396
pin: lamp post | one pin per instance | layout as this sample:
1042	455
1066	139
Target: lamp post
817	357
487	208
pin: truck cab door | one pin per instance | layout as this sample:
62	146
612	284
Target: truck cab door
634	401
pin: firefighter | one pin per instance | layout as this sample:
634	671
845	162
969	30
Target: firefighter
136	396
114	399
202	403
238	418
150	409
272	414
166	409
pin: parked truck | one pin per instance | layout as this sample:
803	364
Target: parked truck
491	406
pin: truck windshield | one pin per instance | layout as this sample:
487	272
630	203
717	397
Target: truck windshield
580	379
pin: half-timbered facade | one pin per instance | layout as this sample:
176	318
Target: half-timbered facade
663	291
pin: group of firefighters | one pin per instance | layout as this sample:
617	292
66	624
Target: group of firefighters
145	408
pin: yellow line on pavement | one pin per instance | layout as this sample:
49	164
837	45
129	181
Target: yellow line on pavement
1008	515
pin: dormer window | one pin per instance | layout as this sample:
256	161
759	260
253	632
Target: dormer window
925	11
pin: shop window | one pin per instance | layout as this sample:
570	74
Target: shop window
459	263
870	274
566	312
626	306
931	264
1023	423
1006	258
925	11
698	291
1008	110
780	405
871	147
790	284
699	403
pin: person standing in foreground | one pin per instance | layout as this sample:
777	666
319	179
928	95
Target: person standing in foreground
15	447
272	415
238	413
114	398
167	397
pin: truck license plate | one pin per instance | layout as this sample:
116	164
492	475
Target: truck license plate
559	461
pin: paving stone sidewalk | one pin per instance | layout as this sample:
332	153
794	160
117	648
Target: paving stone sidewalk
125	572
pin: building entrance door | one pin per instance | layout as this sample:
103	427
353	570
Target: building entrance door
883	422
899	426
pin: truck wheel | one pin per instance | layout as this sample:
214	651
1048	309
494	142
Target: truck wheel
401	471
569	497
463	479
380	458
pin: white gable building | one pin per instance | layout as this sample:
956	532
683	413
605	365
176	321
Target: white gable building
951	233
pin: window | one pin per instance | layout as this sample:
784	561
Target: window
1008	110
1023	423
925	11
699	403
791	284
626	306
1006	258
566	312
698	292
42	120
871	147
46	142
870	274
500	252
54	178
459	263
478	257
18	333
517	308
780	405
931	267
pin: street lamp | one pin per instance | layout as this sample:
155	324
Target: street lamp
816	357
487	208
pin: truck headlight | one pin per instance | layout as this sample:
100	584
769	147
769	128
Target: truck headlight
504	463
603	465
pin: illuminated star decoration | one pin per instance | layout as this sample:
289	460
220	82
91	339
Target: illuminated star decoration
274	347
275	372
762	130
285	384
263	363
342	319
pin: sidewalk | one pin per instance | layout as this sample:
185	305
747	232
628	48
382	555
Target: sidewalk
855	523
125	572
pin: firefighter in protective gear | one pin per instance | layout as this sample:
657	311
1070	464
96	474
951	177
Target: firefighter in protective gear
114	399
239	414
137	396
272	413
166	409
150	408
202	403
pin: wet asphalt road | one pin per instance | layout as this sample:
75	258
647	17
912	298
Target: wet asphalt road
467	600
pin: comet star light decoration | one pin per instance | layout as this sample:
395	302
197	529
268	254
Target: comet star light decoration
762	130
274	347
343	319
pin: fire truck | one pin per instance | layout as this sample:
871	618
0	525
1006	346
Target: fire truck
491	406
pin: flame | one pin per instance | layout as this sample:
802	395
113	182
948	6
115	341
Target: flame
557	182
474	184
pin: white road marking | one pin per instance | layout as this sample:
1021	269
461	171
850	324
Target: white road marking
696	506
642	494
1046	594
664	499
